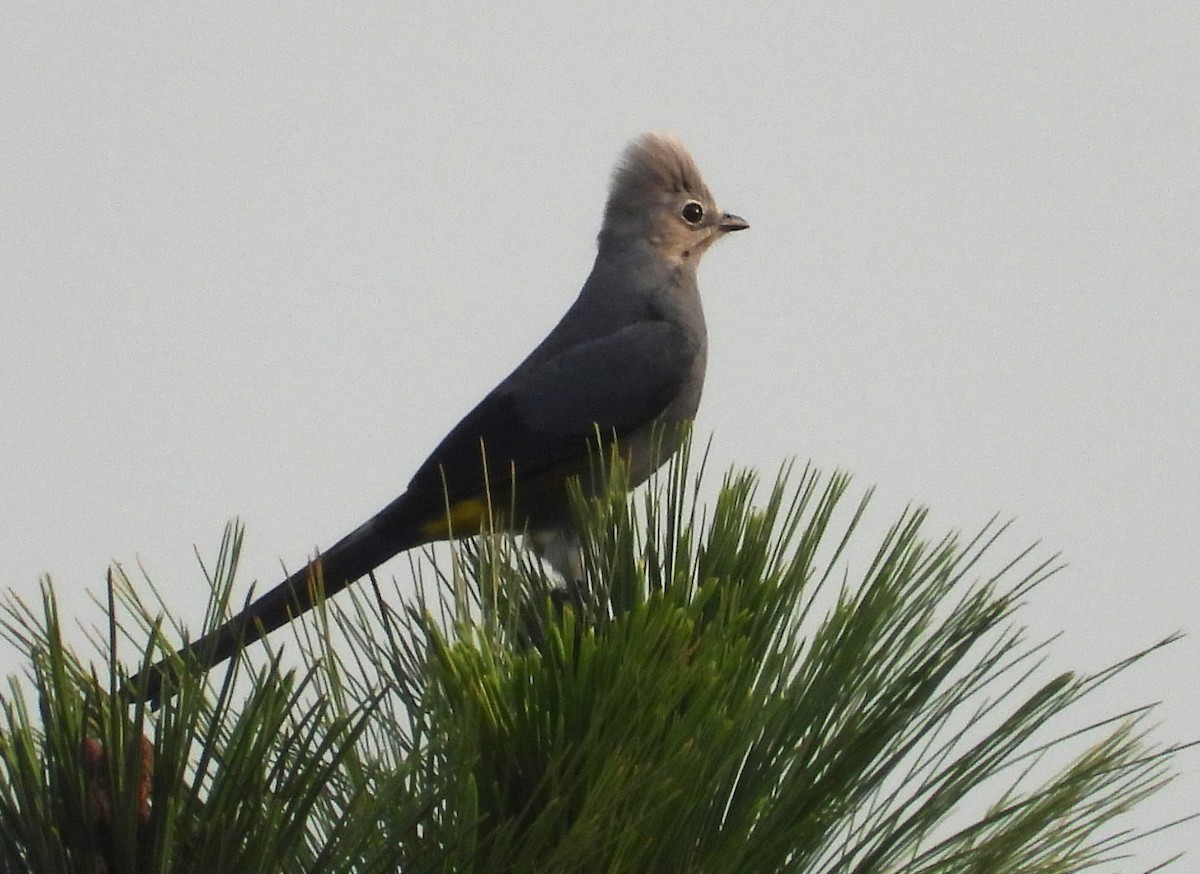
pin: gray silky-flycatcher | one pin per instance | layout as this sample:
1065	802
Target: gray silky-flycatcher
625	364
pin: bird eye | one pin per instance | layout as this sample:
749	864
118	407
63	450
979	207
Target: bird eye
692	212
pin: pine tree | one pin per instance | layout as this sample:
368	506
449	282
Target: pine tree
724	692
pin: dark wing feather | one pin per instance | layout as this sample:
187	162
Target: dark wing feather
544	415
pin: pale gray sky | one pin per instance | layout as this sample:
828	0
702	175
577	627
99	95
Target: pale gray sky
258	259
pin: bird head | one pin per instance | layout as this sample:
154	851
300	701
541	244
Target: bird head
658	198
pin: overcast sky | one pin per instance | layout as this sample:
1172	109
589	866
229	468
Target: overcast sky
256	261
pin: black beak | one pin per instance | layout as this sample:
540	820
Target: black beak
730	222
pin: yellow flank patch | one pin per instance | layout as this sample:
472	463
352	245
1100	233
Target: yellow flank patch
464	518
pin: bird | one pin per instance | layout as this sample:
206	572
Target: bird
624	366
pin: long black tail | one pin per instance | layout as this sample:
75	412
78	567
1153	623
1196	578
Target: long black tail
386	534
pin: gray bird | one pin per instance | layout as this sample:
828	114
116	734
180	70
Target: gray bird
626	364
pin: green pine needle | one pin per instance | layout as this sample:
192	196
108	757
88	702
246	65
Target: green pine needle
727	692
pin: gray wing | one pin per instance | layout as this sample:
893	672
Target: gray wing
547	413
